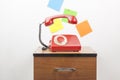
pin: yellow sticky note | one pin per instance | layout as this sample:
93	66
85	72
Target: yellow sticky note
83	28
56	26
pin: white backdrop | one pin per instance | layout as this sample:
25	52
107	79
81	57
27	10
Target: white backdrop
19	20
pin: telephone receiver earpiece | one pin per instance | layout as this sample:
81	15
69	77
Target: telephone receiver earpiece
71	19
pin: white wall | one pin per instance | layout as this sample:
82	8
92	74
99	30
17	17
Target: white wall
19	20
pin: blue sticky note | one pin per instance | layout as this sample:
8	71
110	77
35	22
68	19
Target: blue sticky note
55	4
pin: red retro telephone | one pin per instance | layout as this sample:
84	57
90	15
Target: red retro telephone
62	42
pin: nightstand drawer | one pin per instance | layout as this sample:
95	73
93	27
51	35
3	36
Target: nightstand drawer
65	68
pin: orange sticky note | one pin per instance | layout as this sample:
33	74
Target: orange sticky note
83	28
56	26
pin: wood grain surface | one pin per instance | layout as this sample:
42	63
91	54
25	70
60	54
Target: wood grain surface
45	68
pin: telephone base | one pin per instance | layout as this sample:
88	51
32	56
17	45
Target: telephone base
70	43
66	49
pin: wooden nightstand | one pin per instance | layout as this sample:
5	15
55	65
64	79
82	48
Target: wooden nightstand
65	65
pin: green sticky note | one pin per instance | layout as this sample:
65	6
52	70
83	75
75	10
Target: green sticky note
56	26
69	12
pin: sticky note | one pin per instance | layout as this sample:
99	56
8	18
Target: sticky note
56	26
83	28
55	4
69	12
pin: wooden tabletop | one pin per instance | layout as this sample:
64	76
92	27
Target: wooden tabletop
85	51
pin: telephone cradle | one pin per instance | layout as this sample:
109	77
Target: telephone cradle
61	42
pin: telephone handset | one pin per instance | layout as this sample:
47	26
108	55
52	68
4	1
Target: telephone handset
71	19
62	42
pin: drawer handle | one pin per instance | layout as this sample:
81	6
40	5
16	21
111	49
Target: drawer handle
65	69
